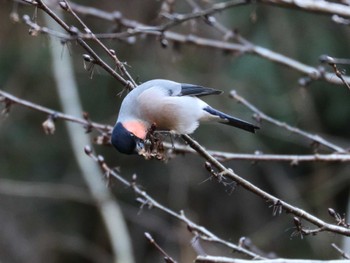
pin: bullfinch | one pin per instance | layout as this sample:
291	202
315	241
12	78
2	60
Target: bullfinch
167	106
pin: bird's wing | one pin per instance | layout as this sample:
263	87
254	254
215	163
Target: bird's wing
172	88
230	120
197	91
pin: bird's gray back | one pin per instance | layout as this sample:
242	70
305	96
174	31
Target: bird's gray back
130	108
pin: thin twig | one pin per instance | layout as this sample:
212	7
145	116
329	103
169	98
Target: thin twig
167	258
332	62
342	253
207	156
258	156
177	19
110	52
55	114
223	171
106	204
218	259
181	149
73	31
322	7
242	47
262	116
147	200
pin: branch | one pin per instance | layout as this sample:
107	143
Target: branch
312	73
167	258
258	156
73	32
135	28
181	149
66	6
262	116
177	19
209	259
223	171
332	62
323	7
107	205
226	172
343	254
55	114
277	203
147	201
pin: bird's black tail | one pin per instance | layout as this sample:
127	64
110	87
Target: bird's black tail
232	121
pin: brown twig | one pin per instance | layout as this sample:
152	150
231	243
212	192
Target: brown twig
73	31
66	6
322	7
222	169
146	200
342	252
56	114
167	258
341	221
262	116
218	259
242	47
176	19
332	62
228	173
180	149
258	156
105	129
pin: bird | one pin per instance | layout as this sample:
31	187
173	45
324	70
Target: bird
168	106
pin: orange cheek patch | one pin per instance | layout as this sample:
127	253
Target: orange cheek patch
137	128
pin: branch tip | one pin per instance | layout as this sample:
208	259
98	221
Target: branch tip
73	30
149	237
88	150
63	5
100	159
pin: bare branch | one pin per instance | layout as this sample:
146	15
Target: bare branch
179	149
167	258
262	116
177	19
258	156
147	200
332	62
110	52
73	31
216	259
107	206
55	114
343	254
341	221
239	46
225	172
242	47
261	193
323	7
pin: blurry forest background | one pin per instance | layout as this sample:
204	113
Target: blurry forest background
46	209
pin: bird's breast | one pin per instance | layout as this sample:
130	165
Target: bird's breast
179	114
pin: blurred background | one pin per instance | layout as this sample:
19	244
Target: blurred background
37	229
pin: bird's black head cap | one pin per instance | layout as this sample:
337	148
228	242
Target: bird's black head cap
124	141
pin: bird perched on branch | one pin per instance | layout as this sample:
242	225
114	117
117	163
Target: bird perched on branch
165	105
